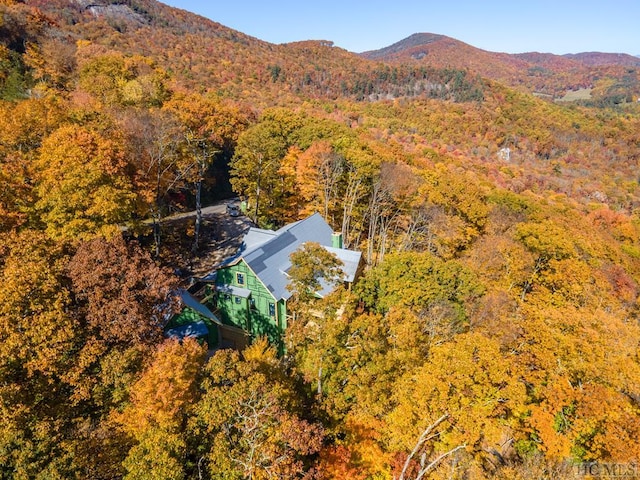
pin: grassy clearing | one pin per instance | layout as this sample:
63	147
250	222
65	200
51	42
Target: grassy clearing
573	95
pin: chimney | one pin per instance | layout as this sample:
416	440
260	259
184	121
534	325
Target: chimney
336	240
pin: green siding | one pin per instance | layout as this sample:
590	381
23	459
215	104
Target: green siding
253	314
282	314
233	311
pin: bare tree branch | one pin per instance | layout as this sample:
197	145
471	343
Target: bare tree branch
423	438
433	464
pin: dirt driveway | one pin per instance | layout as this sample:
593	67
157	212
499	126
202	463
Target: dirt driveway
220	238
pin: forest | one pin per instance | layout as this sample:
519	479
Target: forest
494	333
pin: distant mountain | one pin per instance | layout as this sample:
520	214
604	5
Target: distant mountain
200	53
440	51
538	72
417	41
599	58
129	16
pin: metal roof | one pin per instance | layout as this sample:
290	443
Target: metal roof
350	260
190	301
270	259
233	290
256	237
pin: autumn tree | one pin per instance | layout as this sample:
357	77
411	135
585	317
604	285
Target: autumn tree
38	334
124	295
459	215
313	267
21	26
359	170
256	164
83	186
155	138
420	447
15	192
53	62
23	126
161	402
390	204
251	417
480	390
318	173
122	303
118	80
564	345
288	207
210	129
74	337
421	282
551	246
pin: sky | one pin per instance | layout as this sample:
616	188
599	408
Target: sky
549	26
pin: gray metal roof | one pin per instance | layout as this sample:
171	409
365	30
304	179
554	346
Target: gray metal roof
210	277
350	260
233	290
256	237
190	301
270	259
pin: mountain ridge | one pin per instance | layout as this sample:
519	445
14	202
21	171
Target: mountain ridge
204	52
200	53
545	73
425	38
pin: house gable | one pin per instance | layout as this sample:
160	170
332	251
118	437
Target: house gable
251	287
244	302
270	260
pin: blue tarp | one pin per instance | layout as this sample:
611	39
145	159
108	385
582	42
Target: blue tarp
190	330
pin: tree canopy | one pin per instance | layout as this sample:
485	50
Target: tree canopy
493	332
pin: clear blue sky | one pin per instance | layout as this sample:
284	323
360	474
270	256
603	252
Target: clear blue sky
555	26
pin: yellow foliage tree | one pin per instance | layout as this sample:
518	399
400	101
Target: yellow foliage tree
160	402
82	184
476	385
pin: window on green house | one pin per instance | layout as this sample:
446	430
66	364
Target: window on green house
238	300
240	278
272	309
252	302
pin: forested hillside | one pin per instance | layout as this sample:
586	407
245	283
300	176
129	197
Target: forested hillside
494	332
612	76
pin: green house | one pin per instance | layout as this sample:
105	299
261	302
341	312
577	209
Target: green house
196	320
251	287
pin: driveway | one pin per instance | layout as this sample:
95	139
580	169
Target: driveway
220	207
220	238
